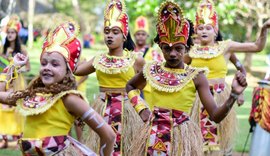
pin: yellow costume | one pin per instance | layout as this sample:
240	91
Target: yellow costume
12	122
113	73
48	122
45	133
172	130
218	138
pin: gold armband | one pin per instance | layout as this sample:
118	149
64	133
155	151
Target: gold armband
136	101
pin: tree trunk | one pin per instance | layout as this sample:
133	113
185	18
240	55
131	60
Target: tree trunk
31	12
77	9
248	56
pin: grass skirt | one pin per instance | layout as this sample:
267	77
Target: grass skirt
131	123
227	128
186	140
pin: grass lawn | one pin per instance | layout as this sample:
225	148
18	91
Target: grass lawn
92	92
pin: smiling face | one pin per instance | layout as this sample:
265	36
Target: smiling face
173	55
113	37
53	68
11	35
206	34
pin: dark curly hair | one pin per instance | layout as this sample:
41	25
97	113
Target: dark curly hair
37	86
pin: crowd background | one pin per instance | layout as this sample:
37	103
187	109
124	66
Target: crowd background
239	21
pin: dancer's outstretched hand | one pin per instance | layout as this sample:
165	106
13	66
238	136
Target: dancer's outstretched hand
239	83
145	115
20	59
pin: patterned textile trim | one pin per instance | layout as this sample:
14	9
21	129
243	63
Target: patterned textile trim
10	137
210	132
261	107
207	52
113	116
114	64
168	79
41	102
209	129
45	146
160	140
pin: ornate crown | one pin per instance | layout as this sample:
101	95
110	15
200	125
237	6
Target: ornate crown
206	14
14	23
141	24
172	27
115	15
63	39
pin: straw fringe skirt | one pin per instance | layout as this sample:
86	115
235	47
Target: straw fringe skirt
227	128
131	124
186	140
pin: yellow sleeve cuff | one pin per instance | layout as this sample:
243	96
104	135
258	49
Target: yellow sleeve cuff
136	101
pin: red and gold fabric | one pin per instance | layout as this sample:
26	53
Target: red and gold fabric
172	27
141	24
14	23
53	145
63	39
115	16
113	116
160	139
260	111
206	14
171	130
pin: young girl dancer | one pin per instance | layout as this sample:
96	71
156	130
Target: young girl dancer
51	103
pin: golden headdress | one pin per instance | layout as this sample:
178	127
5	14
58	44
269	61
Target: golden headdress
115	16
206	14
14	23
172	27
141	24
63	39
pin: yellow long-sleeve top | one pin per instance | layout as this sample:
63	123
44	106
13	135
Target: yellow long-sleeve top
172	88
210	57
114	71
46	115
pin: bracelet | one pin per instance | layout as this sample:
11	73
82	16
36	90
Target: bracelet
140	107
136	101
234	96
238	64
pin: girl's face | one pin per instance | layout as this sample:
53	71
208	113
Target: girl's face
206	33
53	68
11	35
173	55
113	37
141	37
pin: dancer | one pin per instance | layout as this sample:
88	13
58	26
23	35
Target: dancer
51	103
11	122
218	138
171	130
113	70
